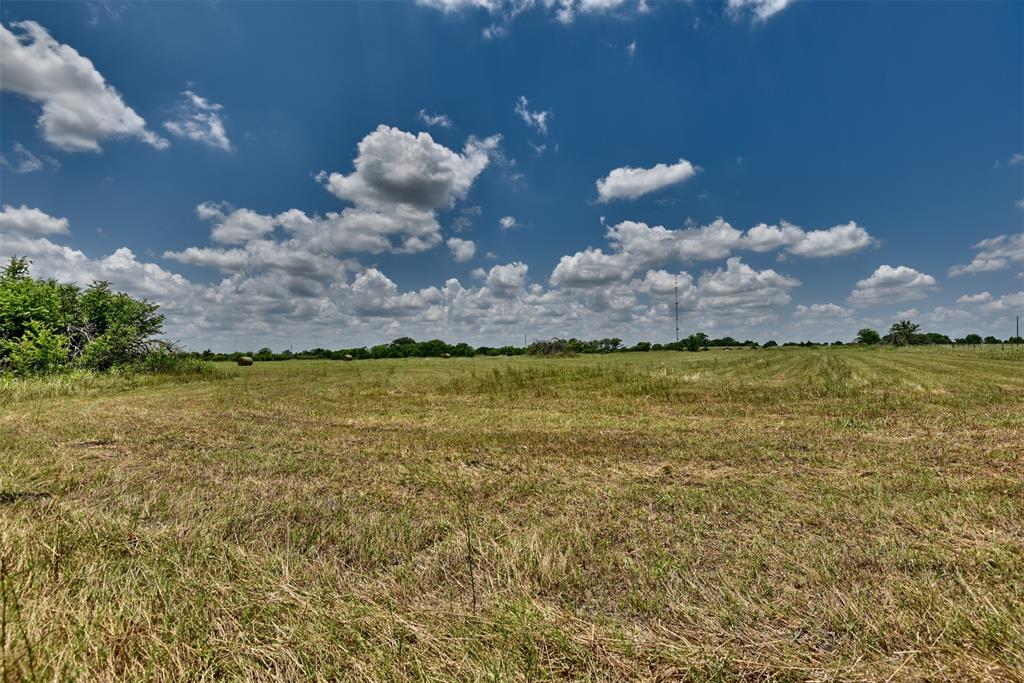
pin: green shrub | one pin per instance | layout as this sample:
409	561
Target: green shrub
38	351
46	325
169	363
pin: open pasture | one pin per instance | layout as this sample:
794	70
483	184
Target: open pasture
810	514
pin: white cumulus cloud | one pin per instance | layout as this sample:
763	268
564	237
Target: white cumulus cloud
629	183
892	285
80	109
395	167
979	298
462	250
995	253
28	221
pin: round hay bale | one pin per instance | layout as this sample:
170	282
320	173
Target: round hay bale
244	361
446	355
347	356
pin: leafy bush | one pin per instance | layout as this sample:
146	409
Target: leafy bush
550	347
46	325
169	363
38	351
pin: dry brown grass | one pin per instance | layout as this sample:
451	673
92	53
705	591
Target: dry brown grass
781	515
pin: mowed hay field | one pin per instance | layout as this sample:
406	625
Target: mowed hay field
805	514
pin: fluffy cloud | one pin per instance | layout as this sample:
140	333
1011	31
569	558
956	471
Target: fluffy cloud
1006	303
827	311
280	292
506	280
647	246
589	268
995	253
980	298
462	250
636	246
399	183
738	286
79	108
892	285
199	120
121	268
376	295
397	168
258	256
538	120
28	221
439	120
836	241
234	226
399	229
629	183
508	223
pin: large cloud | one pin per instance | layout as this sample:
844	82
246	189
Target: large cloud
399	184
589	268
234	226
738	286
629	183
838	240
121	268
397	168
892	285
279	293
79	108
635	246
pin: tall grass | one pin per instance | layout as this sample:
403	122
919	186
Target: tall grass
150	372
807	514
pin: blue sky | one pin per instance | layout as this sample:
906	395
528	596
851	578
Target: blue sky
258	168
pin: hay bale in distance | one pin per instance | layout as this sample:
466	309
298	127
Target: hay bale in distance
347	356
244	361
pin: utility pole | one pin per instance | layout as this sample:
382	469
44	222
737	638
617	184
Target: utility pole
677	308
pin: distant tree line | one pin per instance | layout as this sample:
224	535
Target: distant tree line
908	333
903	333
407	347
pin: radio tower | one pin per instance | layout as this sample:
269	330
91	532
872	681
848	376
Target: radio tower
677	308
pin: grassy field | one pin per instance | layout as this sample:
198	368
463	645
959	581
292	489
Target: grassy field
830	514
